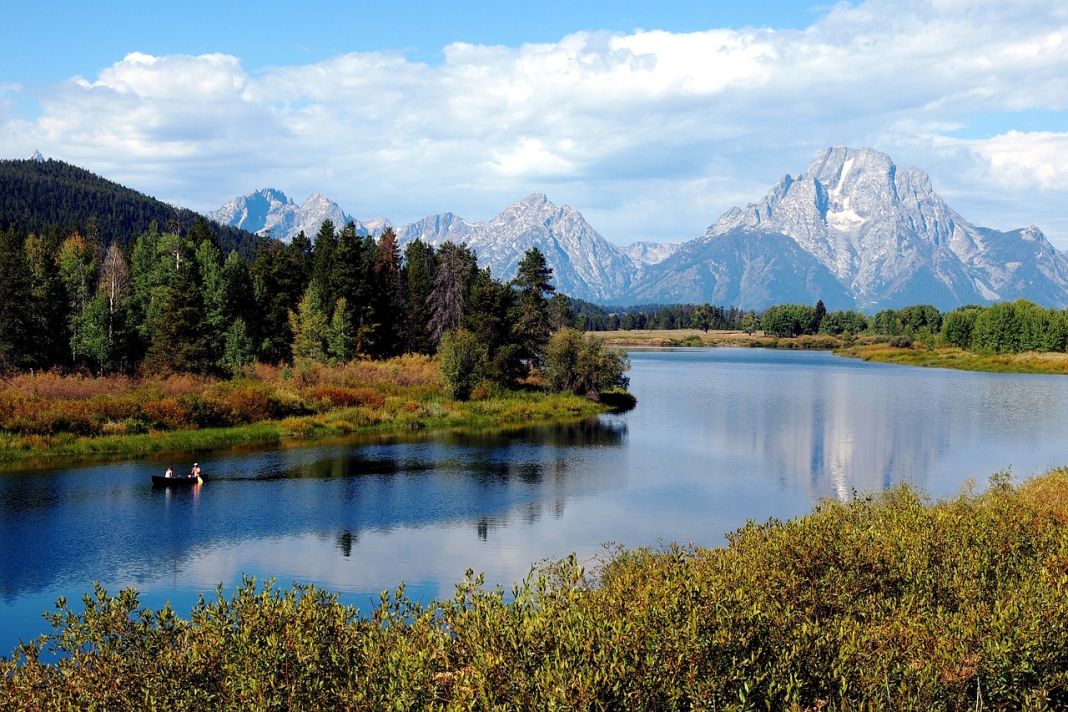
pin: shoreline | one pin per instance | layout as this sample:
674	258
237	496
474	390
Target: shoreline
931	603
946	357
1048	364
517	408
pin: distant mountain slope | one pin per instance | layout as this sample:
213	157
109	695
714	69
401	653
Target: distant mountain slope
37	195
269	211
891	239
750	270
650	253
853	229
585	265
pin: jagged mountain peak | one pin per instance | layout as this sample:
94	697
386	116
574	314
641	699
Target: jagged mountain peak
888	236
37	157
269	211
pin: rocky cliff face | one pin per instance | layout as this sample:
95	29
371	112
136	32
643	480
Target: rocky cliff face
890	239
271	212
585	265
853	229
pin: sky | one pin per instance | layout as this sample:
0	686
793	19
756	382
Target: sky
652	119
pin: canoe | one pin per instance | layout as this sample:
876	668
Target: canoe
161	481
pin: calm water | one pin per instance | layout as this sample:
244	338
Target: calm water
719	436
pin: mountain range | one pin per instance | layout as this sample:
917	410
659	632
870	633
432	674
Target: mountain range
853	229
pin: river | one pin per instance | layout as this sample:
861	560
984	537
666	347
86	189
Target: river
719	436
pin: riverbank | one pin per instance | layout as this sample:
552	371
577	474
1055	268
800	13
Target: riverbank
883	600
46	418
865	347
951	357
697	338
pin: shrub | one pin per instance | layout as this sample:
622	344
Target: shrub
579	363
461	357
880	602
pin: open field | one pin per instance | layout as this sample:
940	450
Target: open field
45	416
951	357
696	337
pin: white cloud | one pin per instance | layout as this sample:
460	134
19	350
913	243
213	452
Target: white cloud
652	132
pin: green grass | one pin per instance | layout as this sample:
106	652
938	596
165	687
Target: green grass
398	415
882	602
949	357
696	337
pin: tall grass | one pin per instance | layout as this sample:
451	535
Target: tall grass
46	415
952	357
886	602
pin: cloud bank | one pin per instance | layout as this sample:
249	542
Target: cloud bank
651	134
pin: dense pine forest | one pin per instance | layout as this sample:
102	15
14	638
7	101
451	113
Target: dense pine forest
176	303
55	197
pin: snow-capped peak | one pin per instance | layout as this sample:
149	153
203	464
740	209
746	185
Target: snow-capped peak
37	157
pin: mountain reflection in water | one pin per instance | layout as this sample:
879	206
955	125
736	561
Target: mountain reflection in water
719	436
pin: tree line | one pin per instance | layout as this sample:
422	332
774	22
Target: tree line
1002	328
175	303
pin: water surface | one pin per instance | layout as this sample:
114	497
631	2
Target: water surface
719	436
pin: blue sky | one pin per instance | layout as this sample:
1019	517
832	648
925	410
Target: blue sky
650	119
84	37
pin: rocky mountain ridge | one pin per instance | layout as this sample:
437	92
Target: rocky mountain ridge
853	229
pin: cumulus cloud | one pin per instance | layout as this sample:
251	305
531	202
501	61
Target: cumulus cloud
652	133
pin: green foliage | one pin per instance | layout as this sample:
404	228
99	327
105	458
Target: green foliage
419	267
581	364
238	352
1011	327
45	197
16	311
311	328
881	602
957	327
703	317
843	323
461	358
750	322
530	314
789	320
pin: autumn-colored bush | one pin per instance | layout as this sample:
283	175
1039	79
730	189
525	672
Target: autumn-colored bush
342	397
52	403
886	602
168	413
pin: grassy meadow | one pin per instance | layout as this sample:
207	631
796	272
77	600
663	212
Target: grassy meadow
952	357
45	416
697	337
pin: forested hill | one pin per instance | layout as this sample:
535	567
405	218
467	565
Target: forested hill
39	196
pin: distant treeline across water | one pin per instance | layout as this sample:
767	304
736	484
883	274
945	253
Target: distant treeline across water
1006	327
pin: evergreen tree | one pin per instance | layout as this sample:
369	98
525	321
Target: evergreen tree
17	322
419	261
456	265
486	315
341	338
530	316
560	314
49	303
239	350
310	327
77	270
387	302
213	291
92	333
178	339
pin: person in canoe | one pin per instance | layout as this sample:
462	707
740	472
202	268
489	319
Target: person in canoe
195	472
169	473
